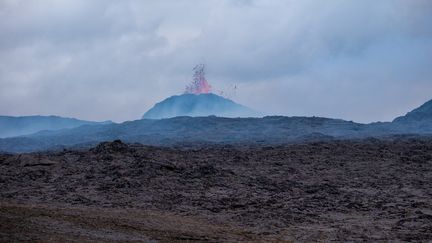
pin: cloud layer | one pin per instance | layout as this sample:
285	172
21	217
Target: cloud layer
106	59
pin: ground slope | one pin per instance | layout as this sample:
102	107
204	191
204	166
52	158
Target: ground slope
366	190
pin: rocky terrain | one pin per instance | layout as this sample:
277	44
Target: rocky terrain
353	190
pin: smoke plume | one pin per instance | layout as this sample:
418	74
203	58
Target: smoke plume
199	84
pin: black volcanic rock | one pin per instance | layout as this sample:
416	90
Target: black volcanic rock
198	105
336	191
117	146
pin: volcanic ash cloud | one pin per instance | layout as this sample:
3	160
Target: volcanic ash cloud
199	84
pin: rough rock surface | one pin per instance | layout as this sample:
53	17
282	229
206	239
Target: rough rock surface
365	190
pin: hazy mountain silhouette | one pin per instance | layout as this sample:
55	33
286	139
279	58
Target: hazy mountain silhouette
423	113
184	130
198	105
418	120
11	126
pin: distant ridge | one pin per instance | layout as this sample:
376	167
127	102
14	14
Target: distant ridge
11	126
198	105
423	113
196	131
418	120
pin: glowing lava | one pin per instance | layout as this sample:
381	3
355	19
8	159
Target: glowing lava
199	84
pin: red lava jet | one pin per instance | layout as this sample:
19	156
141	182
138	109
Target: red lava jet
198	100
199	84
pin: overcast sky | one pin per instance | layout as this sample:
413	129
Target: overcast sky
361	60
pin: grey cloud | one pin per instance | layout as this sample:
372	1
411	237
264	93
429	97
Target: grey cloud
361	60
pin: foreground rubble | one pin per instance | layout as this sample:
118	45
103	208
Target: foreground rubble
352	190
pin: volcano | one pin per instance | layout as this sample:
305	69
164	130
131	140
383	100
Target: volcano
198	105
198	100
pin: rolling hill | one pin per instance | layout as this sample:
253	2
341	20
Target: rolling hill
185	130
11	126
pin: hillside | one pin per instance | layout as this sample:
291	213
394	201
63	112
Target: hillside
419	120
422	113
198	105
192	130
11	126
184	130
198	131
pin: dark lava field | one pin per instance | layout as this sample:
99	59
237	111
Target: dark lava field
358	190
